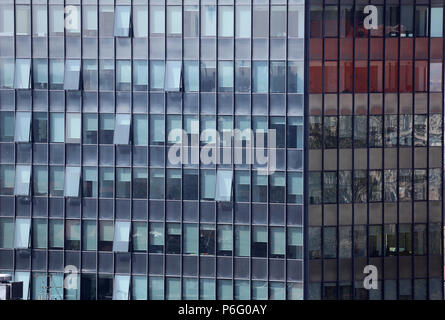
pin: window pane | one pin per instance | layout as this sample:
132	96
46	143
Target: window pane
157	75
89	235
223	190
243	22
437	22
139	235
72	75
123	183
40	73
207	234
22	20
73	127
260	77
173	75
225	76
259	242
122	129
22	180
39	233
57	127
140	75
72	235
121	287
156	238
123	75
191	239
174	184
277	242
156	184
72	181
56	74
106	133
174	20
173	239
208	21
6	72
106	232
106	185
22	126
139	288
242	241
6	20
225	21
140	183
89	179
22	74
56	181
122	21
242	186
56	236
157	20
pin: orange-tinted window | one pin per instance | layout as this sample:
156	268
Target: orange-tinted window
421	76
376	76
330	76
376	49
391	76
421	48
346	76
316	49
361	76
406	76
392	48
361	49
331	48
346	49
436	47
406	49
315	76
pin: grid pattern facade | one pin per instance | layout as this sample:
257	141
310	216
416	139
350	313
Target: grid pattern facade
375	149
85	116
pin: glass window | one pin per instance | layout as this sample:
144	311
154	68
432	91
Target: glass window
420	130
23	276
173	76
89	235
56	74
207	289
405	239
156	238
121	236
89	181
315	132
90	75
140	130
405	184
437	22
89	20
277	76
225	240
157	20
315	188
208	184
277	246
190	239
259	241
277	187
56	286
360	241
140	21
242	76
6	126
157	130
123	75
90	127
122	16
260	77
208	21
56	181
295	77
22	180
56	235
242	241
242	290
140	183
72	181
174	184
295	187
106	184
122	129
243	22
121	287
106	232
225	76
6	233
390	185
173	239
435	184
330	187
360	186
106	74
39	233
6	20
225	290
242	186
39	73
156	184
225	21
330	132
330	242
278	21
190	289
73	127
123	182
190	185
22	126
6	72
259	290
173	289
22	20
421	22
39	127
140	75
295	133
106	133
375	186
207	234
345	186
208	76
191	76
72	235
71	19
191	21
40	180
375	131
420	185
72	75
22	79
105	287
375	241
259	187
57	127
223	190
391	130
139	288
360	131
22	233
295	243
156	288
174	20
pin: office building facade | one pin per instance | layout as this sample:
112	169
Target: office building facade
92	205
375	149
